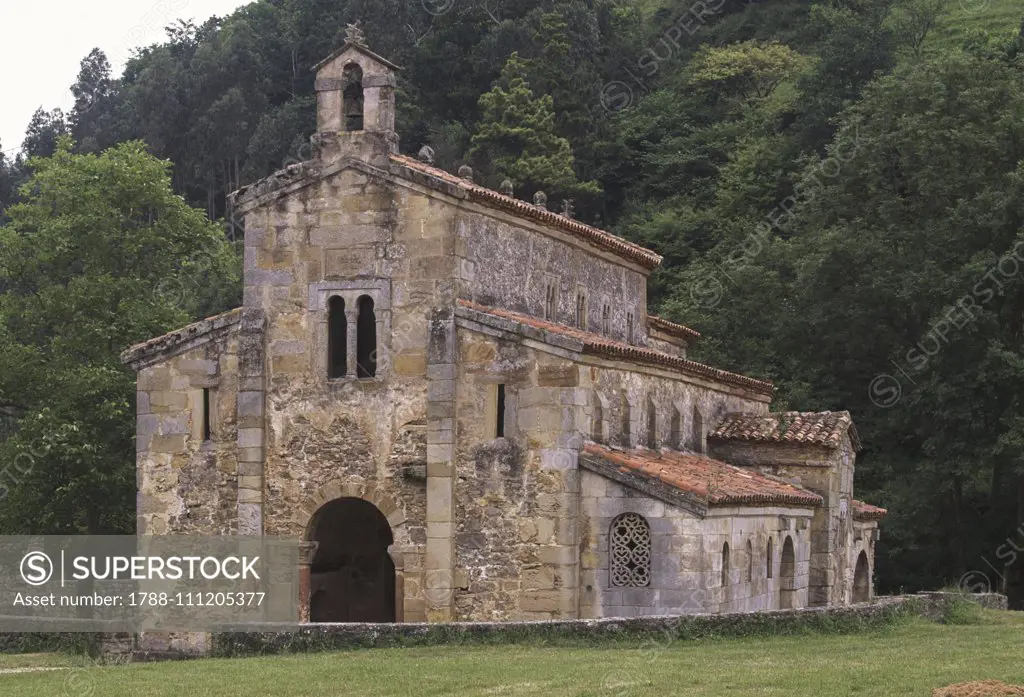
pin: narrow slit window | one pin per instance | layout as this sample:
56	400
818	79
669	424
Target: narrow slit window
768	558
750	561
629	328
597	428
337	338
697	437
500	422
207	430
626	419
652	425
606	316
366	339
725	564
674	436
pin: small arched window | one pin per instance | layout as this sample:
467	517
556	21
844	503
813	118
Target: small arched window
770	558
750	561
352	97
366	339
675	428
551	301
725	564
652	425
597	427
337	338
581	310
626	418
630	553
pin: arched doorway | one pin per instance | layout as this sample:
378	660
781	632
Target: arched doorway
352	576
787	575
862	580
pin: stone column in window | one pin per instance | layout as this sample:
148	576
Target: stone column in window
352	317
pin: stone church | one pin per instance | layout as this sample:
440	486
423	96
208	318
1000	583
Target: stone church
459	401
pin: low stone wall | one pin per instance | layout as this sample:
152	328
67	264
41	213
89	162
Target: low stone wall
272	639
333	637
934	604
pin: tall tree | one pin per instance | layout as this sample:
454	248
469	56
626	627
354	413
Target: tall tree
79	261
93	121
516	139
43	132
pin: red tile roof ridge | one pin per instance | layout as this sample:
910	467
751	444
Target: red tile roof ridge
865	511
672	328
600	345
714	481
824	428
601	238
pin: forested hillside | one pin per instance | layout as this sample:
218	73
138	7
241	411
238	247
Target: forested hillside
836	187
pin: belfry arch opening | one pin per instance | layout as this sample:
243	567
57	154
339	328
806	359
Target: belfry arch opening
352	576
352	97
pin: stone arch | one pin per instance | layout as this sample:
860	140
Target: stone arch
392	510
352	576
862	579
393	513
787	572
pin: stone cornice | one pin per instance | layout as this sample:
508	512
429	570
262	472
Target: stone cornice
174	343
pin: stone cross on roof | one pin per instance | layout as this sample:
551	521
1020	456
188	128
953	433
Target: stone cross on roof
354	34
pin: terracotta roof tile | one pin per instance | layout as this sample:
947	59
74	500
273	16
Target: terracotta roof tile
865	511
805	427
712	481
593	235
603	346
655	322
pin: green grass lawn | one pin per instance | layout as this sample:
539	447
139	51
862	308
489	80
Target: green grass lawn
909	659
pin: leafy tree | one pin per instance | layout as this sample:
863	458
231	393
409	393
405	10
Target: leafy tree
913	20
516	138
99	254
751	69
43	132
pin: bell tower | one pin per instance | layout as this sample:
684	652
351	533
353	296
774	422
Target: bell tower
355	111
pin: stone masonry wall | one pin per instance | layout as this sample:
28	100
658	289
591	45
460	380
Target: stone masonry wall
187	486
511	266
829	473
350	235
686	555
517	496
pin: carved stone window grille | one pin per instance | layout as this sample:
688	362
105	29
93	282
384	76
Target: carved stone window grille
630	552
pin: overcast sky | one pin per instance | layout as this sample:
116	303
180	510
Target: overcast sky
43	41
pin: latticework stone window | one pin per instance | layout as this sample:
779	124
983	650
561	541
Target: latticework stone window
630	551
